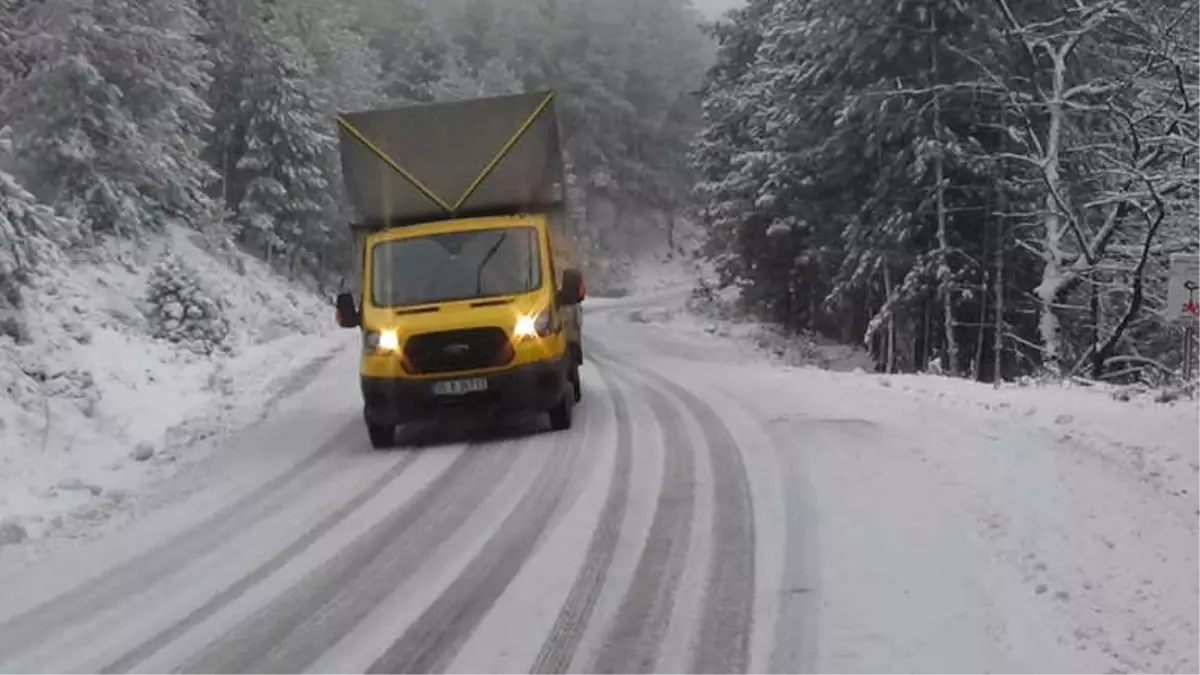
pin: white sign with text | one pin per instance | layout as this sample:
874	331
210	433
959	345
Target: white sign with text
1183	288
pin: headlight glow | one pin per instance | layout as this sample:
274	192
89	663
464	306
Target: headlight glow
531	326
389	341
525	327
381	342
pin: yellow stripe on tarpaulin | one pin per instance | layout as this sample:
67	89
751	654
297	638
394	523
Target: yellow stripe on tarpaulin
430	194
491	166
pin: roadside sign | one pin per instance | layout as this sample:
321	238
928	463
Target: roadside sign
1183	288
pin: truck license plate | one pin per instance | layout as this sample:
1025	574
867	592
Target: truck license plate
460	387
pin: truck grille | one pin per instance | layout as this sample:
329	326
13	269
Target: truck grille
451	351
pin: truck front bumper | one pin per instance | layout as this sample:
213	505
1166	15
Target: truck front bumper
530	387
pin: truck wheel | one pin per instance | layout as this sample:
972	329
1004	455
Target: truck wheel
576	384
560	414
383	436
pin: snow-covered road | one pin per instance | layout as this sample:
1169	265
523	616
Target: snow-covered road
701	516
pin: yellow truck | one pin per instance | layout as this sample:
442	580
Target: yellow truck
468	298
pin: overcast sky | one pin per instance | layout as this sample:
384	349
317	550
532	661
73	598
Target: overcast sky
713	8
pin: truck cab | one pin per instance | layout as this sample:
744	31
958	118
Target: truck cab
470	311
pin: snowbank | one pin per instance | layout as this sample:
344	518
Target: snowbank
97	407
1048	529
960	527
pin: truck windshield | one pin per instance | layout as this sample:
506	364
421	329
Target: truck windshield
455	266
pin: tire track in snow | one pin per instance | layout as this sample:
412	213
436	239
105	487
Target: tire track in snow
345	588
239	587
637	632
792	560
431	642
783	638
140	573
723	643
564	638
679	642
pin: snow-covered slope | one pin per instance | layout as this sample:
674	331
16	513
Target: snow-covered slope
95	406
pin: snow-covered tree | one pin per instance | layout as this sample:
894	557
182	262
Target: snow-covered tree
347	76
273	105
274	72
182	311
951	185
495	78
165	88
287	141
346	70
68	122
106	122
8	35
414	47
30	236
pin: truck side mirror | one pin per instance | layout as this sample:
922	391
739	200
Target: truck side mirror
573	290
347	314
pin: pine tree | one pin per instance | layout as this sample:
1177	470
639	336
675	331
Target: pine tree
165	89
228	43
346	70
288	195
33	235
890	171
347	75
414	48
724	194
68	122
495	78
8	35
106	122
182	311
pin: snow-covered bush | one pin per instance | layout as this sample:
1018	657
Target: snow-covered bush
27	234
180	310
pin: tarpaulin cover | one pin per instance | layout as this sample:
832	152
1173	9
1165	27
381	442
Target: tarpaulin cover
456	159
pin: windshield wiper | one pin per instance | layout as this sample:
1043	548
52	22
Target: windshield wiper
483	263
529	264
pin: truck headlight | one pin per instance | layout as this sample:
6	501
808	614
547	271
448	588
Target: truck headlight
384	341
531	326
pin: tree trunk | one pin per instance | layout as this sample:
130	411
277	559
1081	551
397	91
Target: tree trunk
926	347
980	341
1053	228
998	292
891	332
945	274
1097	357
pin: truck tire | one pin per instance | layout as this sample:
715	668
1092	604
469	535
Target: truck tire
383	436
576	384
560	414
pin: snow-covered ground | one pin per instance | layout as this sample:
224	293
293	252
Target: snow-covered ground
713	509
97	407
1034	526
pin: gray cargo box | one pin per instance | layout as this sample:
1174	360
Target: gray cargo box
457	159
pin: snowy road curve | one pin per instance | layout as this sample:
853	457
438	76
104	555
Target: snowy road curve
628	544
